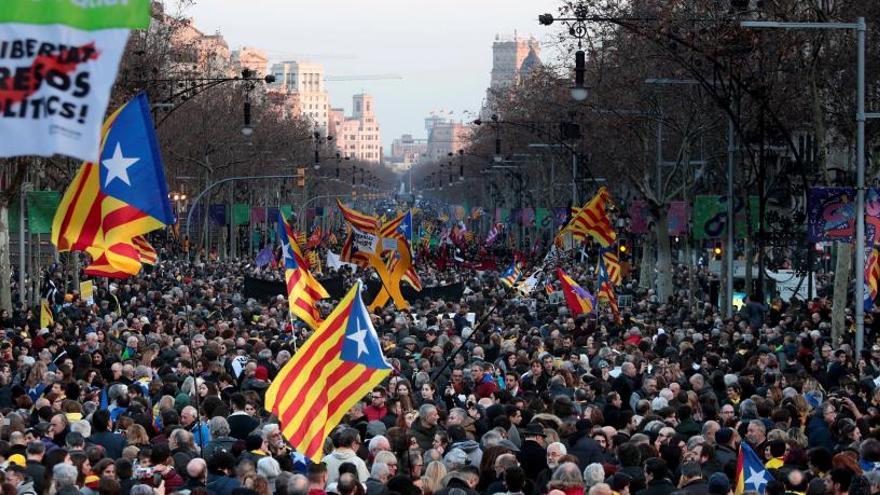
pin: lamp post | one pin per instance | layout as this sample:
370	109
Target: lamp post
860	28
577	27
194	86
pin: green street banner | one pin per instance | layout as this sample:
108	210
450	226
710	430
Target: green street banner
81	14
41	206
55	85
241	214
710	217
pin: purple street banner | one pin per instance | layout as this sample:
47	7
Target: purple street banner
640	217
831	214
677	218
258	214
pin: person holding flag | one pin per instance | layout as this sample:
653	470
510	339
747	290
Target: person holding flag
336	366
303	290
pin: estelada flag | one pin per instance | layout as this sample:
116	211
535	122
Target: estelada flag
335	368
303	289
121	197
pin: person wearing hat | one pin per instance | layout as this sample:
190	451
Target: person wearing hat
532	453
718	485
16	475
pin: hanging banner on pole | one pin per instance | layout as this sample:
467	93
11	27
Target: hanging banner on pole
55	85
41	206
710	216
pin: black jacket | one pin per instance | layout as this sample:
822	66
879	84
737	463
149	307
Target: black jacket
533	458
697	487
658	487
113	443
241	425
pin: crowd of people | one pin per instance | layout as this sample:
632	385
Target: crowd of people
155	386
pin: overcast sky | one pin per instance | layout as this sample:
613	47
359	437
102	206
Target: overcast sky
442	49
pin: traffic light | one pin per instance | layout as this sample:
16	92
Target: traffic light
717	251
301	177
569	131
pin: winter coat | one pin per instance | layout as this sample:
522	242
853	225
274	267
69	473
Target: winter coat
423	435
222	485
819	434
339	456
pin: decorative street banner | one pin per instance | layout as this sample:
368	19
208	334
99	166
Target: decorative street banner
241	214
831	214
41	206
258	214
561	216
640	217
677	218
55	85
544	218
710	216
217	214
82	14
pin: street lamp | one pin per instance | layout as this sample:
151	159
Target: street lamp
860	28
579	91
577	27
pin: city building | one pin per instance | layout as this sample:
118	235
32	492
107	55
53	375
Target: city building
192	53
287	104
406	150
358	136
307	80
254	59
512	58
444	137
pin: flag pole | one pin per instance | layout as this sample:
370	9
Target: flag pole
292	330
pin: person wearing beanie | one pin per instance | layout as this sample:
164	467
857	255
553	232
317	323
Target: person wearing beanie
718	485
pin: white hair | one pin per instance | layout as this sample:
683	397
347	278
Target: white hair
374	442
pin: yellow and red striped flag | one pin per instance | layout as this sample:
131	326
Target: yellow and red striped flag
365	227
612	265
339	364
303	290
593	220
872	273
113	201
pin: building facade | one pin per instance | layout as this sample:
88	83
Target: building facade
358	136
307	80
253	59
446	137
407	151
509	55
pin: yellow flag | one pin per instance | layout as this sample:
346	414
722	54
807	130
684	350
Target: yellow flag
46	319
